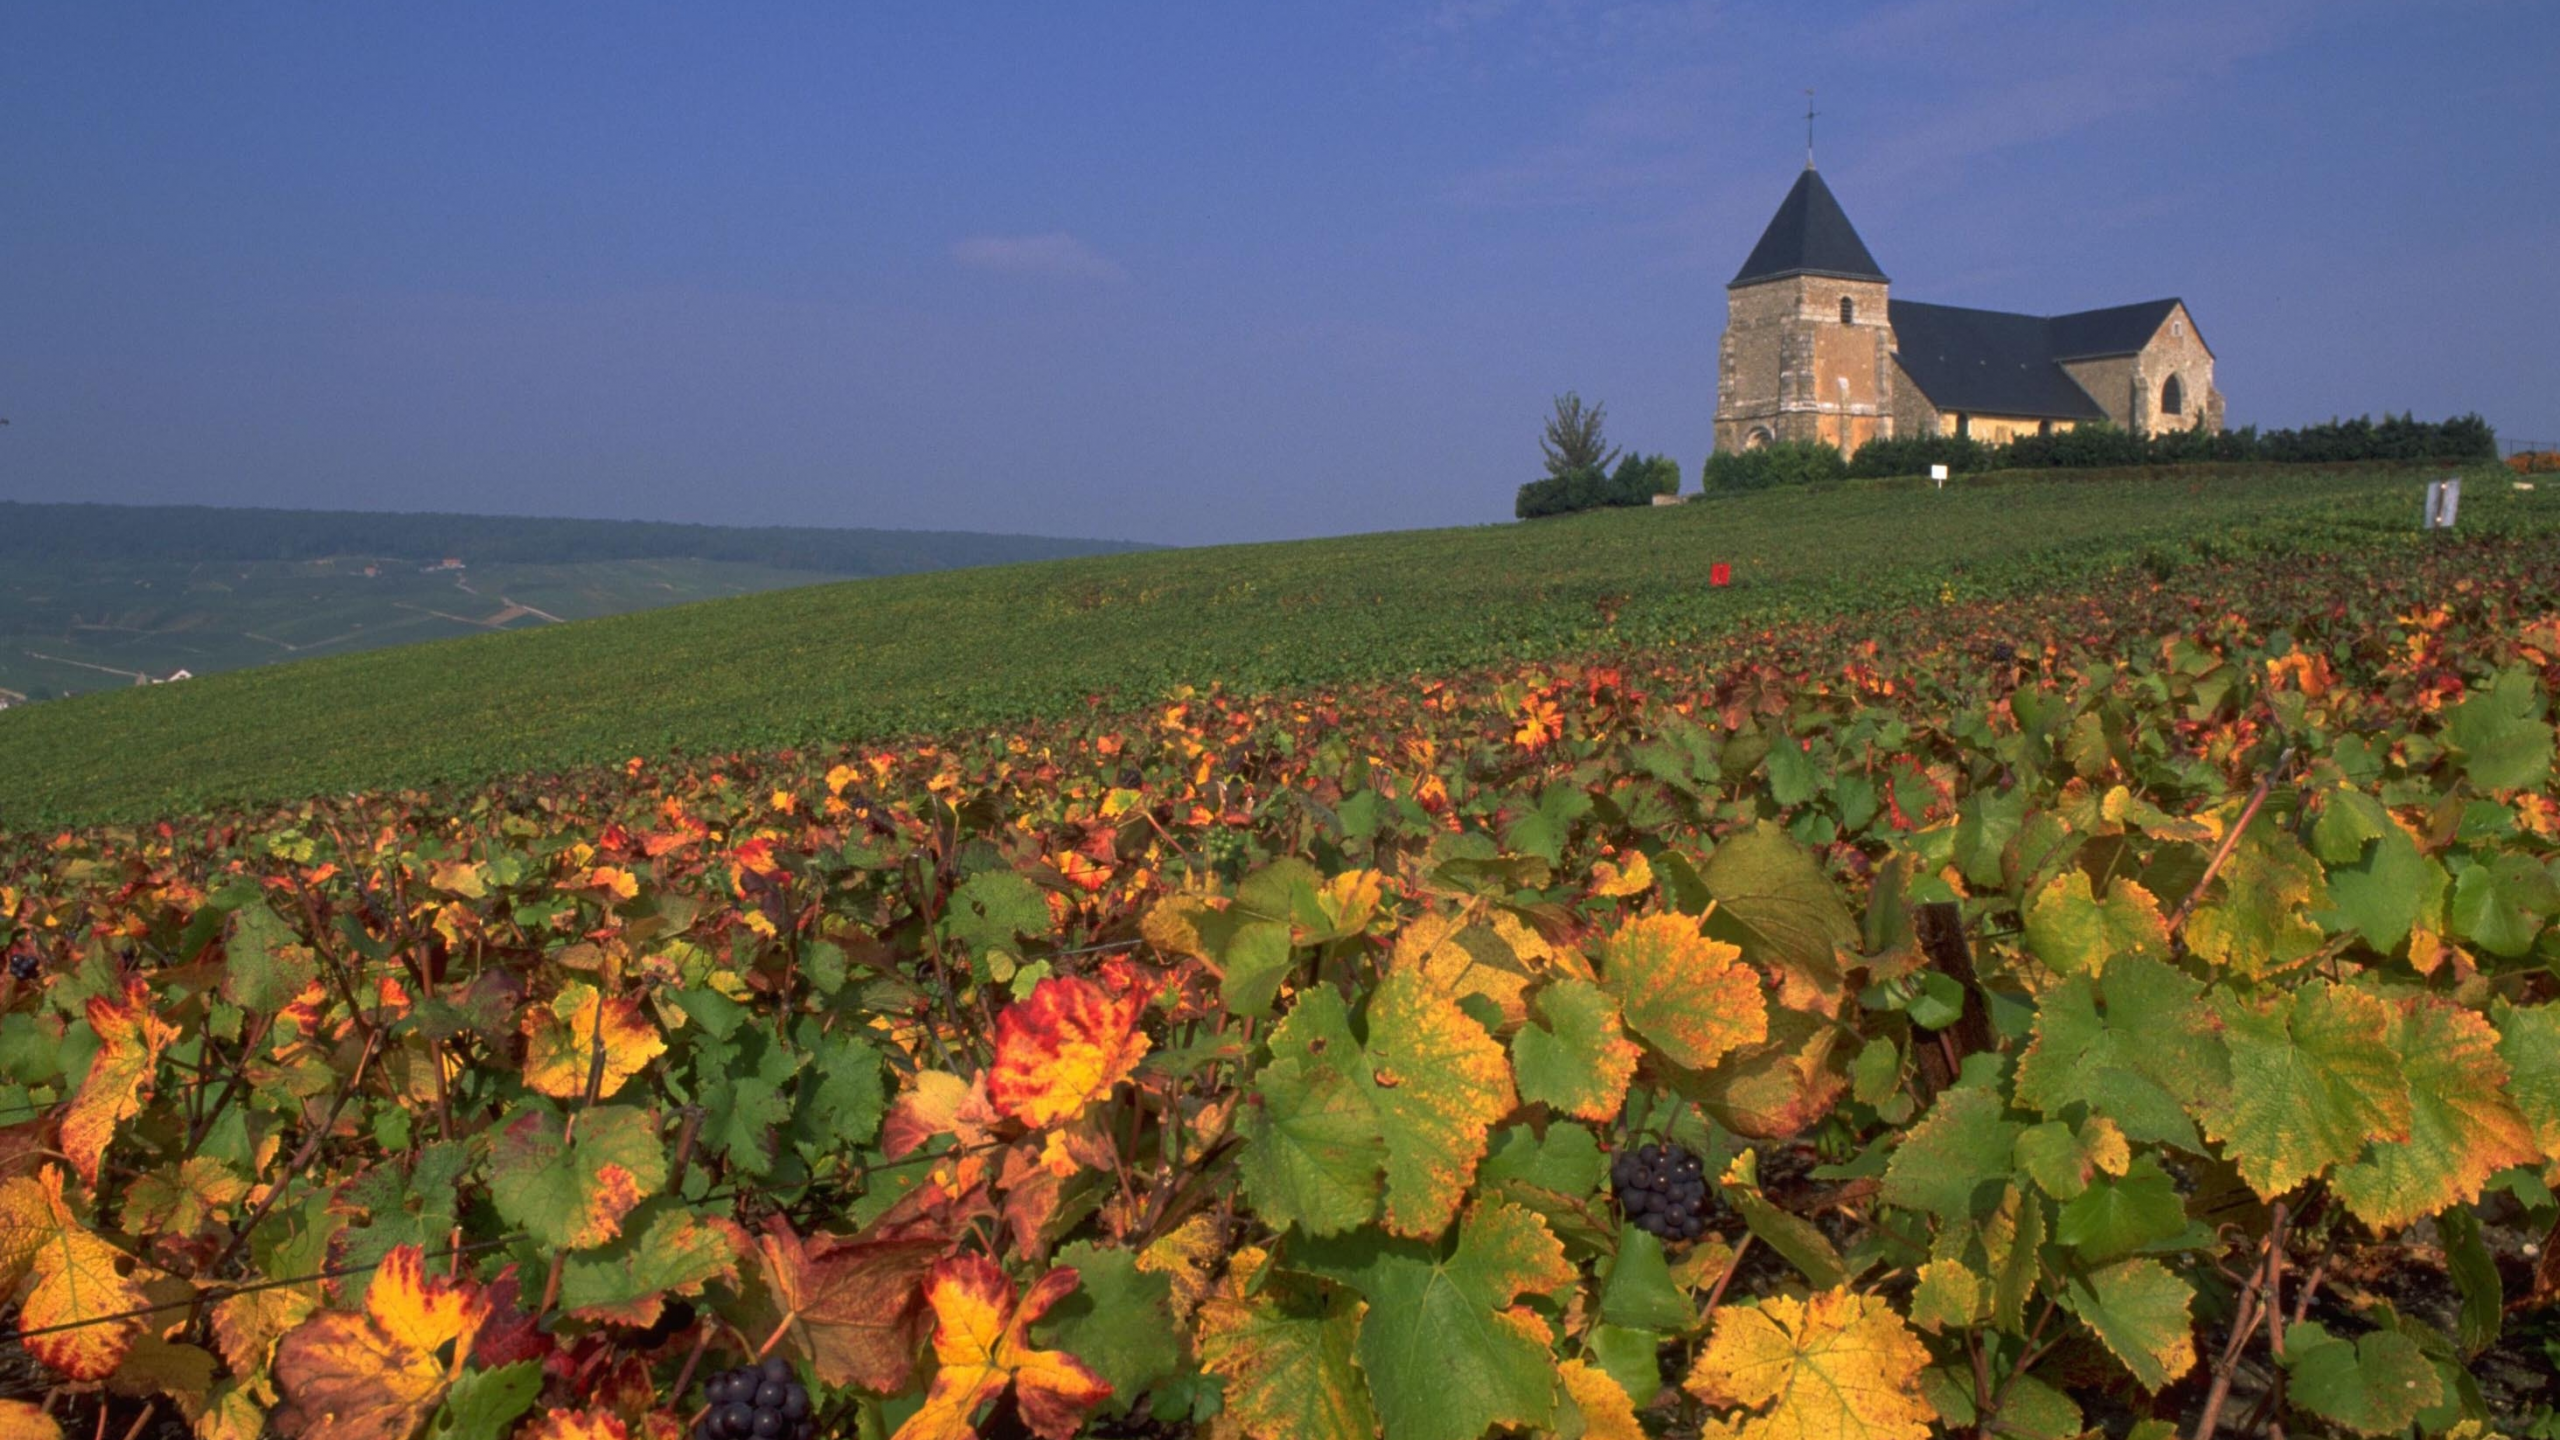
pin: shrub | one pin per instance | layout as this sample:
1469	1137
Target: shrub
1786	462
1641	477
1638	479
1914	454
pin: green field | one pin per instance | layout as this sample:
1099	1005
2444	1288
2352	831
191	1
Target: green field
974	648
72	626
96	597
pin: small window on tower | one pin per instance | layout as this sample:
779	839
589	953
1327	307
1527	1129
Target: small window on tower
1848	311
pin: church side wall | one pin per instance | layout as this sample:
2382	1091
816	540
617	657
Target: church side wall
2110	383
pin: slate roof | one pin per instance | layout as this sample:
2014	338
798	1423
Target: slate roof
1810	235
1991	362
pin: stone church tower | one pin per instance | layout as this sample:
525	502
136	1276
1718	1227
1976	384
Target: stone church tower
1808	344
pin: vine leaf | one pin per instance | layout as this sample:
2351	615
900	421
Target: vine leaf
2139	1310
375	1374
1439	1083
1955	1161
2529	1041
981	1337
1448	1353
2500	735
2074	932
1328	1114
1063	1048
2314	1077
1690	996
855	1308
2145	1060
1285	1349
673	1250
20	1420
1575	1058
2462	1127
1605	1410
1119	1321
570	1192
2260	924
75	1276
1313	1143
1834	1366
560	1042
2374	1385
130	1039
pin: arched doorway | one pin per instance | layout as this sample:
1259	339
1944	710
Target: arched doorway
2173	397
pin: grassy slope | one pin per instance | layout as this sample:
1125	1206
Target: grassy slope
873	658
72	626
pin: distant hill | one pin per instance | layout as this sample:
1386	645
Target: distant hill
100	596
871	660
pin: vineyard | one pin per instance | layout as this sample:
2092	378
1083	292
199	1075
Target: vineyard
2008	1009
875	661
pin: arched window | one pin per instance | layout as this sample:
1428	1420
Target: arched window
1759	435
1848	311
2173	397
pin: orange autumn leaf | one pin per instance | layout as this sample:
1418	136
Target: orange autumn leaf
130	1039
1689	995
375	1374
75	1277
20	1420
937	1102
560	1042
1835	1365
982	1339
854	1308
1064	1048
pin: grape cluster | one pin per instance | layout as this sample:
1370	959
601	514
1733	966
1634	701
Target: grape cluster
760	1401
24	966
1663	1190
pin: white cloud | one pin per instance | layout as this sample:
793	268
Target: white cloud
1056	254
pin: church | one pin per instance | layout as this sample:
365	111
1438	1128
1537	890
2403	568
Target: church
1816	347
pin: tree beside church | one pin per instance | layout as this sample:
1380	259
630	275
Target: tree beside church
1816	347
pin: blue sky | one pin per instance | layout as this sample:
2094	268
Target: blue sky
1177	272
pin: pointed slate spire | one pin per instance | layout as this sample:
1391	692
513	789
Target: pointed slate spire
1810	235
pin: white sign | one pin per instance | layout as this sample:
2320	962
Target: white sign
1939	474
2444	498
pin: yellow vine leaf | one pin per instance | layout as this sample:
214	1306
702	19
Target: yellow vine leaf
1834	1366
1461	959
560	1042
981	1337
1692	997
22	1421
1064	1048
1618	881
1607	1413
74	1279
375	1374
1187	1256
130	1039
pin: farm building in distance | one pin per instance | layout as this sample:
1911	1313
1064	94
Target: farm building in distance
1816	348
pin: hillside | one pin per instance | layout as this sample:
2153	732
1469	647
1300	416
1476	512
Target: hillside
102	596
966	649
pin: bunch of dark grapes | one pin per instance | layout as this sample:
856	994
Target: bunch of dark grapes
24	966
1663	1190
759	1401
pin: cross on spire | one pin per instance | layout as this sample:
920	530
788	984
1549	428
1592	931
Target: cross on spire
1809	113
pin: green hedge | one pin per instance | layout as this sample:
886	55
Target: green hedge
1787	462
2393	437
1636	481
